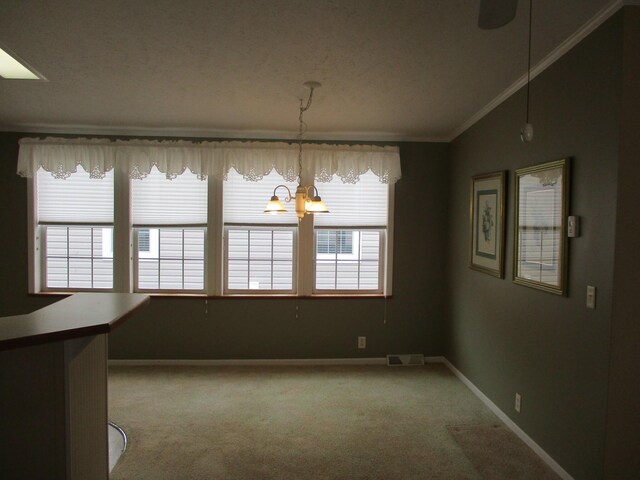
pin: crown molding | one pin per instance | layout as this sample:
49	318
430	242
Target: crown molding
597	20
133	131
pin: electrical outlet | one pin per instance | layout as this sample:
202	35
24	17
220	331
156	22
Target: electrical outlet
362	342
518	401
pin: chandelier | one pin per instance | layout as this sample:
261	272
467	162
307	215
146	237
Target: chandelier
304	200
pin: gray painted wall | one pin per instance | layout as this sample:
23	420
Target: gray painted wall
622	456
192	328
508	338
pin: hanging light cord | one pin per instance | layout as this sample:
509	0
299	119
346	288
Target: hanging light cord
529	61
301	132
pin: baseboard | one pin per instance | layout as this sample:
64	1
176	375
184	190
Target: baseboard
555	466
257	362
251	362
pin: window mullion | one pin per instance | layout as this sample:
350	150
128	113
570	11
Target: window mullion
159	256
68	259
182	272
359	257
122	234
91	257
249	258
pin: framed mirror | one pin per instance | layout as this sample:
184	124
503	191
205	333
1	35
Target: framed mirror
540	237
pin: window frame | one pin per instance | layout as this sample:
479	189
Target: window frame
42	236
382	233
294	260
135	258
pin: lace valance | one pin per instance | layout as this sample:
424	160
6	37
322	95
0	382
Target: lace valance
253	160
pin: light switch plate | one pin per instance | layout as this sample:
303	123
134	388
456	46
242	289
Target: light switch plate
591	297
573	226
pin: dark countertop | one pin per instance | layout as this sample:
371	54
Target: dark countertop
79	315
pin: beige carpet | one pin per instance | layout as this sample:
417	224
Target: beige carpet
497	453
362	422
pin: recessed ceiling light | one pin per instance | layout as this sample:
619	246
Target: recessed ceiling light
13	69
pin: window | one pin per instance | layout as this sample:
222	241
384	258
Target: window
75	225
136	216
169	218
349	243
144	240
260	250
334	242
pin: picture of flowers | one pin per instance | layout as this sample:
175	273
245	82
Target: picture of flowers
487	223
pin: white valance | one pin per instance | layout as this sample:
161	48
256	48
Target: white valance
253	160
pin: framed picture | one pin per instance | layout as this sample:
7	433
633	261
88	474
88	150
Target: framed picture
487	223
541	209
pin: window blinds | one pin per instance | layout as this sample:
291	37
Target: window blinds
354	205
156	200
76	199
244	201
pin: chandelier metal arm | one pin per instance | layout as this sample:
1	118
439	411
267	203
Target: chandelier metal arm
289	197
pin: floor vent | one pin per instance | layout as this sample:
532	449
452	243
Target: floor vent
405	360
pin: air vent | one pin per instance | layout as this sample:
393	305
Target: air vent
405	360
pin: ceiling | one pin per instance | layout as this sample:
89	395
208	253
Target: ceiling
390	70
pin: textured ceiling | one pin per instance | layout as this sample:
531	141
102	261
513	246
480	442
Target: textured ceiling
390	69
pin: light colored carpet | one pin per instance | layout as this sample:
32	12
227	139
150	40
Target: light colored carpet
355	422
497	453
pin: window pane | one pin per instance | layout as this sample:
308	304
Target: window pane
348	260
78	257
148	274
259	258
57	272
170	258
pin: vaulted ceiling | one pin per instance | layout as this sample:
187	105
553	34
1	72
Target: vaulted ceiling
390	70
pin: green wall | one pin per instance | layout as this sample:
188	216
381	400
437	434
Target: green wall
192	328
508	338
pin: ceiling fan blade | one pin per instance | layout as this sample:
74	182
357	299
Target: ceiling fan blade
496	13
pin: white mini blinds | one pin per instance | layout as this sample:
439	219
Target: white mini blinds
362	204
244	201
76	199
157	200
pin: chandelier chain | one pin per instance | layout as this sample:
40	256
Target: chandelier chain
529	57
301	132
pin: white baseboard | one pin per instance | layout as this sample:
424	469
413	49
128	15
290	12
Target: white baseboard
555	466
251	362
259	362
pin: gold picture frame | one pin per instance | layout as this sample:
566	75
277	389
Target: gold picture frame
540	228
486	223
